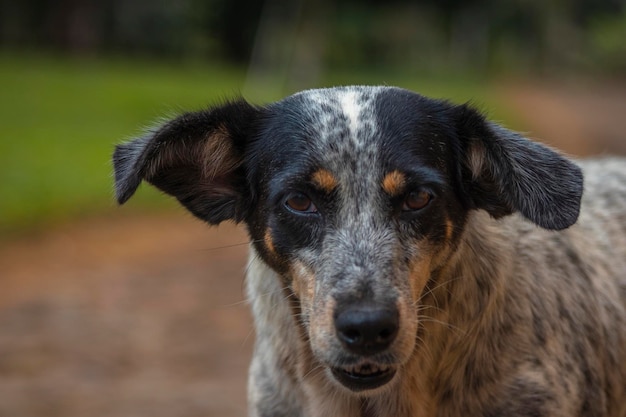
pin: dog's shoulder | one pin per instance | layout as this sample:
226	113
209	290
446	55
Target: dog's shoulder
564	293
600	231
601	228
605	186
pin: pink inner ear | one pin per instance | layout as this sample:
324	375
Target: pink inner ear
212	157
476	158
217	156
193	158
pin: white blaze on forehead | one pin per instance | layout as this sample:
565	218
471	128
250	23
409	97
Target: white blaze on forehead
351	109
345	117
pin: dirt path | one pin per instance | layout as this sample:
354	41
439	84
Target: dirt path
143	315
581	119
126	316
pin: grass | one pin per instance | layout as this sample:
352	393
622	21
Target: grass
60	119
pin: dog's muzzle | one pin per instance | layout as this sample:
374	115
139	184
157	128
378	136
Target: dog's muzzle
367	376
365	330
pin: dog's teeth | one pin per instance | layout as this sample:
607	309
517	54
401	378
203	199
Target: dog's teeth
366	369
372	369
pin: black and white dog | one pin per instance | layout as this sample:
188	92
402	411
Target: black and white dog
409	258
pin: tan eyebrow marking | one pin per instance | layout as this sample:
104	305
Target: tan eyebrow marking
324	180
449	229
269	242
394	183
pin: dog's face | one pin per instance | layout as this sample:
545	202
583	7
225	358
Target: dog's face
356	196
357	205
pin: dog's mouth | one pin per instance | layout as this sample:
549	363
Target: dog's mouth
366	376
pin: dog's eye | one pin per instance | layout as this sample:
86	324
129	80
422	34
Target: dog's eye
300	203
416	200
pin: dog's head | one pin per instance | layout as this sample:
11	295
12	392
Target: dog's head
355	196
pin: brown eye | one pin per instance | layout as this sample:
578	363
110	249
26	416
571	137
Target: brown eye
300	203
416	200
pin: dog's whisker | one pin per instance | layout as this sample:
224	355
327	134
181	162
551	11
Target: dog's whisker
232	245
430	291
424	346
315	369
245	340
236	304
429	319
424	307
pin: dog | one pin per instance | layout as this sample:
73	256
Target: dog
408	256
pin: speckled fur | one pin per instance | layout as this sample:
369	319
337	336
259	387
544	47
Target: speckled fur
511	301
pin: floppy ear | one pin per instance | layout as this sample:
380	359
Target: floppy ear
196	157
505	172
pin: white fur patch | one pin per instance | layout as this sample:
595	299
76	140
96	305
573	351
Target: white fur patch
351	109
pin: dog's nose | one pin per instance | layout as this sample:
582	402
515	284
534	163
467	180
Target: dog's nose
366	330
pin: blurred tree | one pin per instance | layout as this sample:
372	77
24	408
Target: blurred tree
474	35
234	25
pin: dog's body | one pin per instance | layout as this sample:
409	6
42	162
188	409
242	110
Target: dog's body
527	323
395	267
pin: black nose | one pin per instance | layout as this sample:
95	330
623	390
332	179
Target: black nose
366	330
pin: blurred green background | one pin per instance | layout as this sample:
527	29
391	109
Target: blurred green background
79	76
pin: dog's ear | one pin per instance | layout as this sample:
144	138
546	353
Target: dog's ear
196	157
505	172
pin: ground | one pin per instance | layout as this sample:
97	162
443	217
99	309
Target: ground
144	314
125	316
